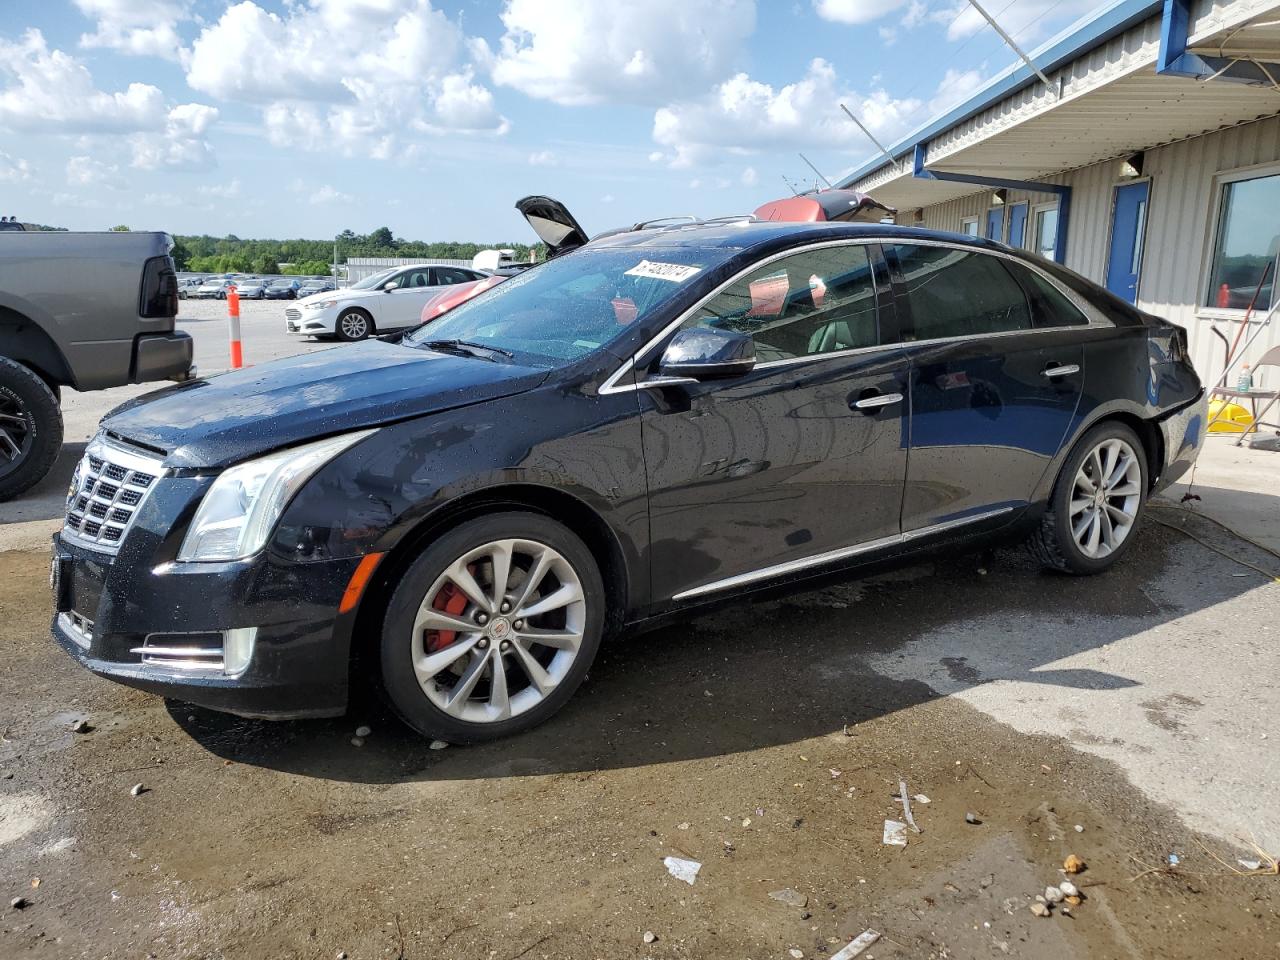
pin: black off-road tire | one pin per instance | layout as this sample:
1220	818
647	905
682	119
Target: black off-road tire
1051	544
399	681
23	394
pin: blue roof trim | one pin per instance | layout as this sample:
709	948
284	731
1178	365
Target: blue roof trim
1067	46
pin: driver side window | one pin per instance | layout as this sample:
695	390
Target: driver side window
807	304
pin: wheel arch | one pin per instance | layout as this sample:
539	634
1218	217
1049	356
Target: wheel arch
558	505
27	343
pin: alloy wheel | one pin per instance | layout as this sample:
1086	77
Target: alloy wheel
1105	498
498	630
354	326
15	434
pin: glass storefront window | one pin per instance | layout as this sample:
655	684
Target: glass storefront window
1047	232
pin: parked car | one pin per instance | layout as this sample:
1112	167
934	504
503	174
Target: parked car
387	301
286	289
214	288
638	428
454	296
186	285
252	289
313	285
80	310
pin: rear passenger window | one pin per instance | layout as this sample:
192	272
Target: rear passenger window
1049	306
811	303
955	293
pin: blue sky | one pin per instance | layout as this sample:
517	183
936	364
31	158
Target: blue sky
286	118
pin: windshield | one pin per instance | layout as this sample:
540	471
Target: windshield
377	280
568	307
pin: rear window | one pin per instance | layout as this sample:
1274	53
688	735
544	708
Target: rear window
957	293
1049	306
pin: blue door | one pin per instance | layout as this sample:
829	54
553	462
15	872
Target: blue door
995	224
1018	225
1128	231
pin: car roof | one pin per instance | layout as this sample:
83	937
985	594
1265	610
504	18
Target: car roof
745	233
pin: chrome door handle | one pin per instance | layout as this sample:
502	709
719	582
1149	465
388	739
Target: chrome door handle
1065	370
879	400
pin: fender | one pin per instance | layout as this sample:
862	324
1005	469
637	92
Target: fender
44	347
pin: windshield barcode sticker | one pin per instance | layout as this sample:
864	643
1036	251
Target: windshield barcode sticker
675	272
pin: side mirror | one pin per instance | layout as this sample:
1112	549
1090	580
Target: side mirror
389	286
705	353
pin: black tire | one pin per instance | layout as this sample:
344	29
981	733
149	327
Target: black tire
30	429
400	682
222	294
350	315
1052	544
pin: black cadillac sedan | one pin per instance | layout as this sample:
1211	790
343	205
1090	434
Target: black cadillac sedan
653	422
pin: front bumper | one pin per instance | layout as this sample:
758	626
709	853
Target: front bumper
310	323
114	607
1183	432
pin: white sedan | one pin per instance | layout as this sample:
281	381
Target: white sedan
386	301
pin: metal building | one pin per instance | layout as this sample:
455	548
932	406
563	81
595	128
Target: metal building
360	267
1149	161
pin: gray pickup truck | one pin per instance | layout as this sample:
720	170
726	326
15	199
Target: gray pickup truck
80	310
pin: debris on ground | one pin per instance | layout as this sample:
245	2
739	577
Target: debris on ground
972	818
796	952
1040	909
138	790
1073	864
855	946
649	936
906	806
1250	864
683	825
438	744
895	833
1054	895
920	798
681	869
363	731
357	741
791	897
19	903
1068	889
81	726
1079	828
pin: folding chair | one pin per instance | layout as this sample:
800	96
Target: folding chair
1270	397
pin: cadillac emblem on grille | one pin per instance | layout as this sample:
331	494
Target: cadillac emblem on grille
108	487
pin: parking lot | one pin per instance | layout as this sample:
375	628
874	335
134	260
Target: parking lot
1125	719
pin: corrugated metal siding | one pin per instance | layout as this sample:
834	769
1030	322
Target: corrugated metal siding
1180	224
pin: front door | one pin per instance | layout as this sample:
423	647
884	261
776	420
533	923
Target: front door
1018	225
405	303
1128	232
803	457
995	223
992	395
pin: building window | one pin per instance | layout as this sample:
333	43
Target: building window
1247	246
1046	231
969	227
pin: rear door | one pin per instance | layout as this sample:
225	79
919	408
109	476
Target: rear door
996	376
800	461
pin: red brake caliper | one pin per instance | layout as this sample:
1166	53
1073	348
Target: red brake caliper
450	600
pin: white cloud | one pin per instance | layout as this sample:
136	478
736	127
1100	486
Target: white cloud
14	169
956	87
656	156
88	172
182	146
327	194
136	27
358	78
607	198
749	177
221	191
569	51
743	116
855	11
543	158
1025	20
162	200
53	92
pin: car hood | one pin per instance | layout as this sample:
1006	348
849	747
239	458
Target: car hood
347	294
245	413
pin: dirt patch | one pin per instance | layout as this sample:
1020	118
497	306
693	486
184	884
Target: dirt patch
772	763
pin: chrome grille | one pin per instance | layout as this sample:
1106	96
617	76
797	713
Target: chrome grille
192	651
292	313
107	488
79	628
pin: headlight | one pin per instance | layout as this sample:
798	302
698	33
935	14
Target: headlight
317	305
240	510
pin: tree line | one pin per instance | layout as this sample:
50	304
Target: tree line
231	254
